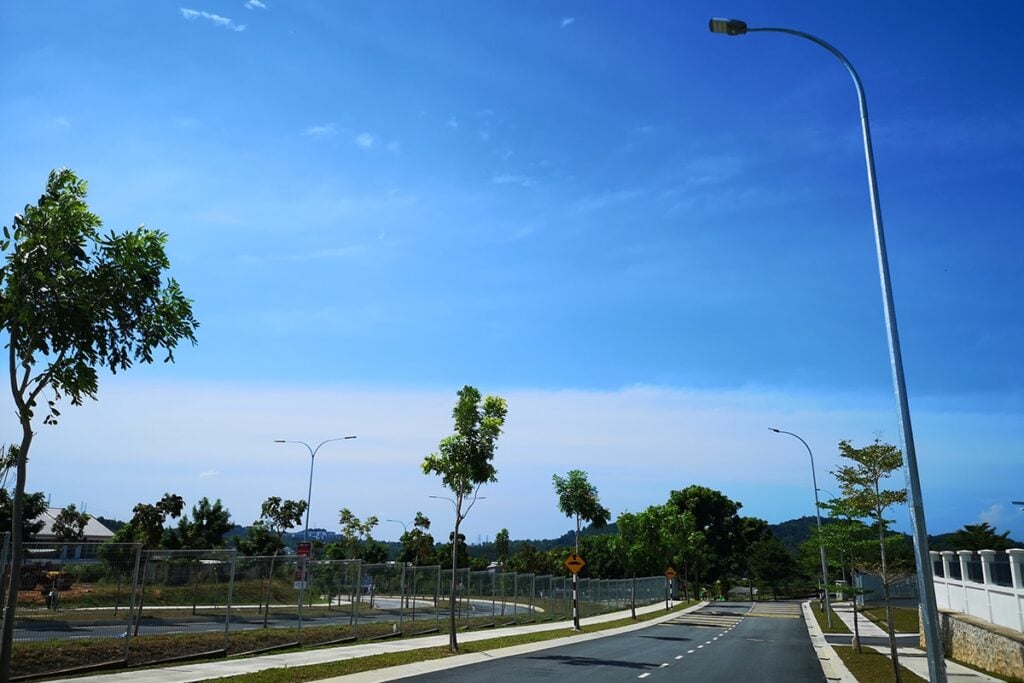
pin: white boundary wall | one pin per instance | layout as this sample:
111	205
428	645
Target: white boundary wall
1002	605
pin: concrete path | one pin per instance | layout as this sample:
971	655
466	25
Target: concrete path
912	658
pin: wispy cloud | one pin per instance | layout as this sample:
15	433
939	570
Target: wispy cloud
514	179
209	474
325	131
613	198
568	21
453	122
254	4
394	147
365	140
225	22
60	122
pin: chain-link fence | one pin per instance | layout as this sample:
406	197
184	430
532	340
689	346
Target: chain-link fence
117	603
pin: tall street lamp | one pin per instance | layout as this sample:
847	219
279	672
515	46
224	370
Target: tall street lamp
312	459
925	585
817	516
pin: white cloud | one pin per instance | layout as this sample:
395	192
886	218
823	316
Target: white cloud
325	131
225	22
513	179
209	474
568	21
636	443
365	140
60	122
453	122
254	4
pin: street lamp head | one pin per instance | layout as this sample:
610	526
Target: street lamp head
730	27
280	441
348	437
773	429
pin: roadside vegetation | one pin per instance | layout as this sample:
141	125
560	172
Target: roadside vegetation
837	624
871	666
905	619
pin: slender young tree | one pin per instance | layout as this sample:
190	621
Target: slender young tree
69	524
577	498
463	461
501	547
72	301
860	484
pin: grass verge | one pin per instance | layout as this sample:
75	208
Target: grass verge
905	619
315	672
873	667
837	624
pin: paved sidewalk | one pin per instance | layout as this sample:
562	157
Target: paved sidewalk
203	671
912	658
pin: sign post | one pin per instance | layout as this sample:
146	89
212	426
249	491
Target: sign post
670	574
574	563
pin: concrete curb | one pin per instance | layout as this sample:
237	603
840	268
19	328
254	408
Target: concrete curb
831	664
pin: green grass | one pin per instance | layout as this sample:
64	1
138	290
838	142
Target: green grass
315	672
905	619
837	624
873	667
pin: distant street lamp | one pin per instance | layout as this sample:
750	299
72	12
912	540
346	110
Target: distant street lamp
312	459
925	582
817	516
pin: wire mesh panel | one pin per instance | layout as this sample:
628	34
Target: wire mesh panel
183	595
421	584
76	594
336	593
522	598
264	597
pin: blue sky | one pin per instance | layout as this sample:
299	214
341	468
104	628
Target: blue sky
654	241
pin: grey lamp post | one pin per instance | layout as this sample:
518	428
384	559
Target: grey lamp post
817	516
925	585
309	500
312	459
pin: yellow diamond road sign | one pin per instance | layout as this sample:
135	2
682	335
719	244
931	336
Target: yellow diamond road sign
670	573
574	563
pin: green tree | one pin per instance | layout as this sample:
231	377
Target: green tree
206	527
463	461
355	533
501	547
979	537
266	535
718	543
862	496
73	300
32	508
770	563
417	543
69	524
577	498
639	542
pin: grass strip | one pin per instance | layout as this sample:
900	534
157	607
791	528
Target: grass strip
905	619
316	672
838	626
872	666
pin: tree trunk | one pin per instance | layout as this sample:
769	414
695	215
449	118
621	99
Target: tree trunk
453	641
885	593
17	506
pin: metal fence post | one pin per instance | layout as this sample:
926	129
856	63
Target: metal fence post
231	588
131	602
401	598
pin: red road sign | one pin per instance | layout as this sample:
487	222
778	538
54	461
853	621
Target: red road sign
574	563
303	549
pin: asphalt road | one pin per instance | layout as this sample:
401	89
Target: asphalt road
722	642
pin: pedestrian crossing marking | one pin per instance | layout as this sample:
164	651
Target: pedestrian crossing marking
786	610
704	619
